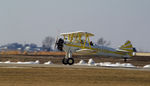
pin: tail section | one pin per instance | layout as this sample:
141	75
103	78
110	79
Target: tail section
127	47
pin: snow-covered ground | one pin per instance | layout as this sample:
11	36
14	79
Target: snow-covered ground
147	66
91	62
109	64
47	63
30	62
104	64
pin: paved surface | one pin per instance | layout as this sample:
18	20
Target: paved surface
65	66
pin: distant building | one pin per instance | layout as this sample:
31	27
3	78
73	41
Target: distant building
20	47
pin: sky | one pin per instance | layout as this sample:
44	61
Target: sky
30	21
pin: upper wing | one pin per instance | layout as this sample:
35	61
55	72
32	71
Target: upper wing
77	33
86	51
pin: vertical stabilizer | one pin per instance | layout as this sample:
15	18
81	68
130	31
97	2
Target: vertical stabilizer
127	46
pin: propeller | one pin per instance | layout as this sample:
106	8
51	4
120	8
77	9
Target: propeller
58	43
56	40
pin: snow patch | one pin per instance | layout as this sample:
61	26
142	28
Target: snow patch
81	62
109	64
49	62
147	66
30	62
91	62
7	62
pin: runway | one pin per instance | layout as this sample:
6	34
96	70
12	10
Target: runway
67	66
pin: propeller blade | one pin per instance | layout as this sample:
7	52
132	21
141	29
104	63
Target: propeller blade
56	40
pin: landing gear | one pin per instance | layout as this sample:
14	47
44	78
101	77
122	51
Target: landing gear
64	61
68	58
69	61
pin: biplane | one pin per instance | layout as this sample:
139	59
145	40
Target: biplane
79	42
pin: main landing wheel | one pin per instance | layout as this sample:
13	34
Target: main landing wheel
69	61
64	61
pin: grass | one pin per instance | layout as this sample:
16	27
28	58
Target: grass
72	77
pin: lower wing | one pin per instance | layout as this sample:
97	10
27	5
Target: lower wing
86	51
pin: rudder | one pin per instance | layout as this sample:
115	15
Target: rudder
127	46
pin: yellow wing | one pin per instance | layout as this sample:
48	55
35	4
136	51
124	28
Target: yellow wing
81	33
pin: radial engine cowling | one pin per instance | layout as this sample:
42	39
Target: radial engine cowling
60	43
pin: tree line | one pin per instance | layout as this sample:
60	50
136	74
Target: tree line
47	45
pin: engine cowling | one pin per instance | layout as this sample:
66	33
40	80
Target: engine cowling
60	44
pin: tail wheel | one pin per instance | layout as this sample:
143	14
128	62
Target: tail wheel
64	61
125	59
70	61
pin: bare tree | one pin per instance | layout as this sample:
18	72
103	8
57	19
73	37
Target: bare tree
103	42
47	43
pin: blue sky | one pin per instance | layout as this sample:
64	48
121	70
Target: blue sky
30	21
